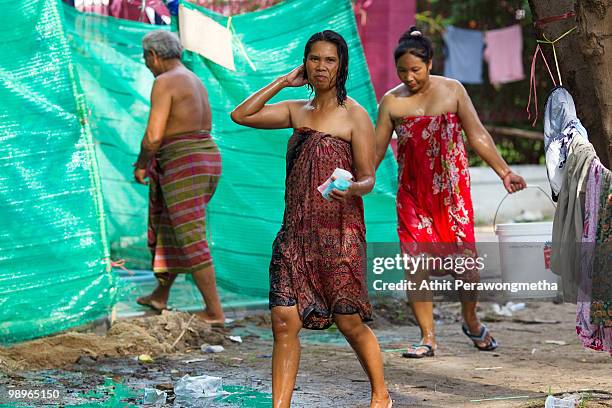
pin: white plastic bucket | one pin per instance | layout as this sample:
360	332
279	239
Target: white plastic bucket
524	254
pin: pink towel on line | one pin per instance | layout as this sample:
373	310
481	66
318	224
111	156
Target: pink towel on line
504	54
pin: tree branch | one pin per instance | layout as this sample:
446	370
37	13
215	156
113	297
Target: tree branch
513	132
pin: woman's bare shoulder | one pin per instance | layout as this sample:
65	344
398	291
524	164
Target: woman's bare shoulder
354	108
447	84
397	92
297	103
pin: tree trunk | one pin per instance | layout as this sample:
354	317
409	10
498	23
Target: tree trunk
585	62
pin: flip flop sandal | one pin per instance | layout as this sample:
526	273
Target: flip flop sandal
482	336
429	352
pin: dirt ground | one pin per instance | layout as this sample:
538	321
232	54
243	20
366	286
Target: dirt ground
533	359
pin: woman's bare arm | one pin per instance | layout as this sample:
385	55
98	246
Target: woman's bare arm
384	129
254	112
478	137
363	146
482	142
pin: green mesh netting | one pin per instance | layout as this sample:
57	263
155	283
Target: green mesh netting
108	56
247	209
53	271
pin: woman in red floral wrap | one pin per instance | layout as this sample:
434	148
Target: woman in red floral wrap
434	205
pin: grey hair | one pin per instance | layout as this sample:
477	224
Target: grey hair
165	44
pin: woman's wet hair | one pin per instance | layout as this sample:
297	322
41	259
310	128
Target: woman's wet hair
415	43
343	59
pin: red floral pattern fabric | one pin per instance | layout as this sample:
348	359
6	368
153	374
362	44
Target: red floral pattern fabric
434	204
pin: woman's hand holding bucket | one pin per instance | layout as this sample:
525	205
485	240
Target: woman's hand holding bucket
513	182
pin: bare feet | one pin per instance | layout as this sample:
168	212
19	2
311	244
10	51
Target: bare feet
153	303
214	321
158	299
384	402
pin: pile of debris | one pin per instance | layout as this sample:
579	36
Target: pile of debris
155	335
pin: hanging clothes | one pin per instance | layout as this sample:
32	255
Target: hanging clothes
561	125
568	221
582	227
157	12
92	6
151	11
194	26
173	6
233	7
504	54
593	332
463	54
601	297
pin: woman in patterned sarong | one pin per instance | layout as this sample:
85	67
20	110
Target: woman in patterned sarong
434	205
317	272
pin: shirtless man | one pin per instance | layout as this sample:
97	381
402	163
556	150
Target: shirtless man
178	135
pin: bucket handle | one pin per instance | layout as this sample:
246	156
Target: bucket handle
508	194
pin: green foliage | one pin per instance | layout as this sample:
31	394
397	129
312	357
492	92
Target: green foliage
514	150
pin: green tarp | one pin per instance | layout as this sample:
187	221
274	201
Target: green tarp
52	269
247	208
53	273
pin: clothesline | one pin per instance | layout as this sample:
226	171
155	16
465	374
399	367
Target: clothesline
532	80
547	41
466	49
